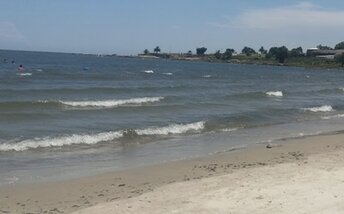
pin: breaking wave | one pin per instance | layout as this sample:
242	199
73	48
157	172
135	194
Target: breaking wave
90	139
333	117
112	103
325	108
60	141
24	74
274	93
149	72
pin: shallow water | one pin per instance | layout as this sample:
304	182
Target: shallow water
70	115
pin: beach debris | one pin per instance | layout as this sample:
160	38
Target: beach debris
272	145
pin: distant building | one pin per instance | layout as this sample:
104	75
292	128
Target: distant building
328	54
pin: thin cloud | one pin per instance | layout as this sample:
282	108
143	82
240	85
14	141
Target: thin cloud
8	31
301	16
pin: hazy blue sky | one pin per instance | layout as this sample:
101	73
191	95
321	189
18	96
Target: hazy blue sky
130	26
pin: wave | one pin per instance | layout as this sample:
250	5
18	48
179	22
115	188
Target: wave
24	74
88	90
206	76
168	74
328	90
324	108
172	129
60	141
112	103
274	93
333	116
229	129
255	95
79	104
149	72
91	139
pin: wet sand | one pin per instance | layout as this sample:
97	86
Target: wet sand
299	176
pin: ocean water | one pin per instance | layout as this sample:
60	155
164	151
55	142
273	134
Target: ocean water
70	115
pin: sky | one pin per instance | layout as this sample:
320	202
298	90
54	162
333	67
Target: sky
130	26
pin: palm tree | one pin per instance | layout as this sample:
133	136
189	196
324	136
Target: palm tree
157	50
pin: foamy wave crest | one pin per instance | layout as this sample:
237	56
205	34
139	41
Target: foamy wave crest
172	129
91	139
24	74
229	129
325	108
60	141
168	74
112	103
206	76
274	93
333	117
149	72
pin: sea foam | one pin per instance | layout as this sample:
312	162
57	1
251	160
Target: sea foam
90	139
112	103
24	74
333	117
60	141
149	72
324	108
172	129
274	93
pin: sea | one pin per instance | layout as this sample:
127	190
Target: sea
65	116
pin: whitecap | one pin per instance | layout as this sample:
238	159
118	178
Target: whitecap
324	108
172	129
333	116
91	139
229	129
207	76
60	141
168	74
112	103
274	93
24	74
149	72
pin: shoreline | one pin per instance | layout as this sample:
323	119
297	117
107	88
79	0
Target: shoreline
121	186
297	64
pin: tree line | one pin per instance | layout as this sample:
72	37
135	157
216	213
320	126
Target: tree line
280	54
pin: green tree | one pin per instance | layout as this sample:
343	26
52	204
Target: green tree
201	51
248	51
228	53
324	47
339	46
146	51
296	52
280	53
157	49
218	54
262	50
189	53
340	58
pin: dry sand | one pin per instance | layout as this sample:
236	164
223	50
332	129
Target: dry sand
302	176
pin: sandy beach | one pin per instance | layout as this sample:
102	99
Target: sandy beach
299	176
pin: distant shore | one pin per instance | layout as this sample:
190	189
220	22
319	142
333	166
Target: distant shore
306	62
280	179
